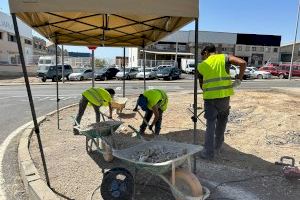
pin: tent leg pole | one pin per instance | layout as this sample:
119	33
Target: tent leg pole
123	63
195	88
93	68
144	68
57	97
62	64
34	119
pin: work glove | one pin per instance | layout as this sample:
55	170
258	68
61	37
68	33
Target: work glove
150	127
236	83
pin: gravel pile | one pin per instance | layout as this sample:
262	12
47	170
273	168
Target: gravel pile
236	116
290	137
157	154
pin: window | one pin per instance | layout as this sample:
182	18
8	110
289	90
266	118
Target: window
28	42
12	38
275	50
247	48
0	35
268	49
239	48
253	48
261	49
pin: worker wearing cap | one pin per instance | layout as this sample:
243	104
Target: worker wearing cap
95	97
215	81
154	101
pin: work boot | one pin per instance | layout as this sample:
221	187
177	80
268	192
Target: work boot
204	155
75	131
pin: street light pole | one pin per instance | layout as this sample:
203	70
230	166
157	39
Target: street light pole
296	31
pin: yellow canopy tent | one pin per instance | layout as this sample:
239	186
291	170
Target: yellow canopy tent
111	23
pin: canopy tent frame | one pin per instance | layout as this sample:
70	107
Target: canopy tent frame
16	9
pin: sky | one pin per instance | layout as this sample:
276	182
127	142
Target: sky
275	17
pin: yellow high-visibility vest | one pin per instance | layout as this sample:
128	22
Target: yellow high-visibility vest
154	96
97	96
216	81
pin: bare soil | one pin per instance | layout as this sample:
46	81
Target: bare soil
263	126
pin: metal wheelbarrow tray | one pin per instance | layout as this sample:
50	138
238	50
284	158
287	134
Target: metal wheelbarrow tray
163	169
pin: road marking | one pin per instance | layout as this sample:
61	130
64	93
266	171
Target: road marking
3	148
118	88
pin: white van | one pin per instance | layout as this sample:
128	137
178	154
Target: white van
46	62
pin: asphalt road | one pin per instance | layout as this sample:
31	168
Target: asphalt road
15	111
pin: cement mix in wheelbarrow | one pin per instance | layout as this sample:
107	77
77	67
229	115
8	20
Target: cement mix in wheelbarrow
243	170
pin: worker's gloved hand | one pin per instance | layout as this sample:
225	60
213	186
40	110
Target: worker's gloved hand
150	127
236	83
194	119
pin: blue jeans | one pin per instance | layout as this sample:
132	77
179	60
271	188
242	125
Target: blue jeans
216	115
147	117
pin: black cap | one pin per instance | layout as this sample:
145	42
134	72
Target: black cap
210	48
110	91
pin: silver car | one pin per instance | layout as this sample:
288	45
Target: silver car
130	73
80	74
150	73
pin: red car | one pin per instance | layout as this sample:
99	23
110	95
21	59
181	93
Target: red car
282	71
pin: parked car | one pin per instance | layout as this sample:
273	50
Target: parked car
275	71
130	73
106	73
235	71
169	73
286	68
259	74
80	74
163	66
150	73
49	72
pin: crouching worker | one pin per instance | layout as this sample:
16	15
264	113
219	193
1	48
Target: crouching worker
152	102
95	97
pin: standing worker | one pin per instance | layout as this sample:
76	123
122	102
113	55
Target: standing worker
155	102
95	97
215	81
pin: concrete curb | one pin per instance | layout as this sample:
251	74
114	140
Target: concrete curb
35	186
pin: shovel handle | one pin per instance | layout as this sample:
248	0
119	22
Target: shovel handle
144	120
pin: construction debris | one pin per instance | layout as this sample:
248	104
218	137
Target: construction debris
157	154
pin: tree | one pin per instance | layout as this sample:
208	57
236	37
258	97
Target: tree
100	62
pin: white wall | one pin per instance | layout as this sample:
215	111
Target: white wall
133	57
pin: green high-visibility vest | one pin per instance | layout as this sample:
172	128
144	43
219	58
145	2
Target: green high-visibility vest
216	81
97	96
156	96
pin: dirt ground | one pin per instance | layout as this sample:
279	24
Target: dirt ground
263	126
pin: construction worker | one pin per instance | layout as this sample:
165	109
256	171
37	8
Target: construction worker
155	102
215	81
95	97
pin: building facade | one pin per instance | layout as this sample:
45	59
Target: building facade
255	49
9	53
286	53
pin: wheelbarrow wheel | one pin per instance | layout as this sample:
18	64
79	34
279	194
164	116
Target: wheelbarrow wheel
117	184
187	183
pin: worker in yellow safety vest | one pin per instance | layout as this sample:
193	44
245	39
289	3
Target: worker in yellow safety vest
215	81
95	97
154	101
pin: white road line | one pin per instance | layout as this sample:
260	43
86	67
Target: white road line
3	147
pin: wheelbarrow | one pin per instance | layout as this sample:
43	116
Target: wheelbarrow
119	103
100	131
183	183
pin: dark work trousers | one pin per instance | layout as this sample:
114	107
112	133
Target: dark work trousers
82	106
216	115
147	117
